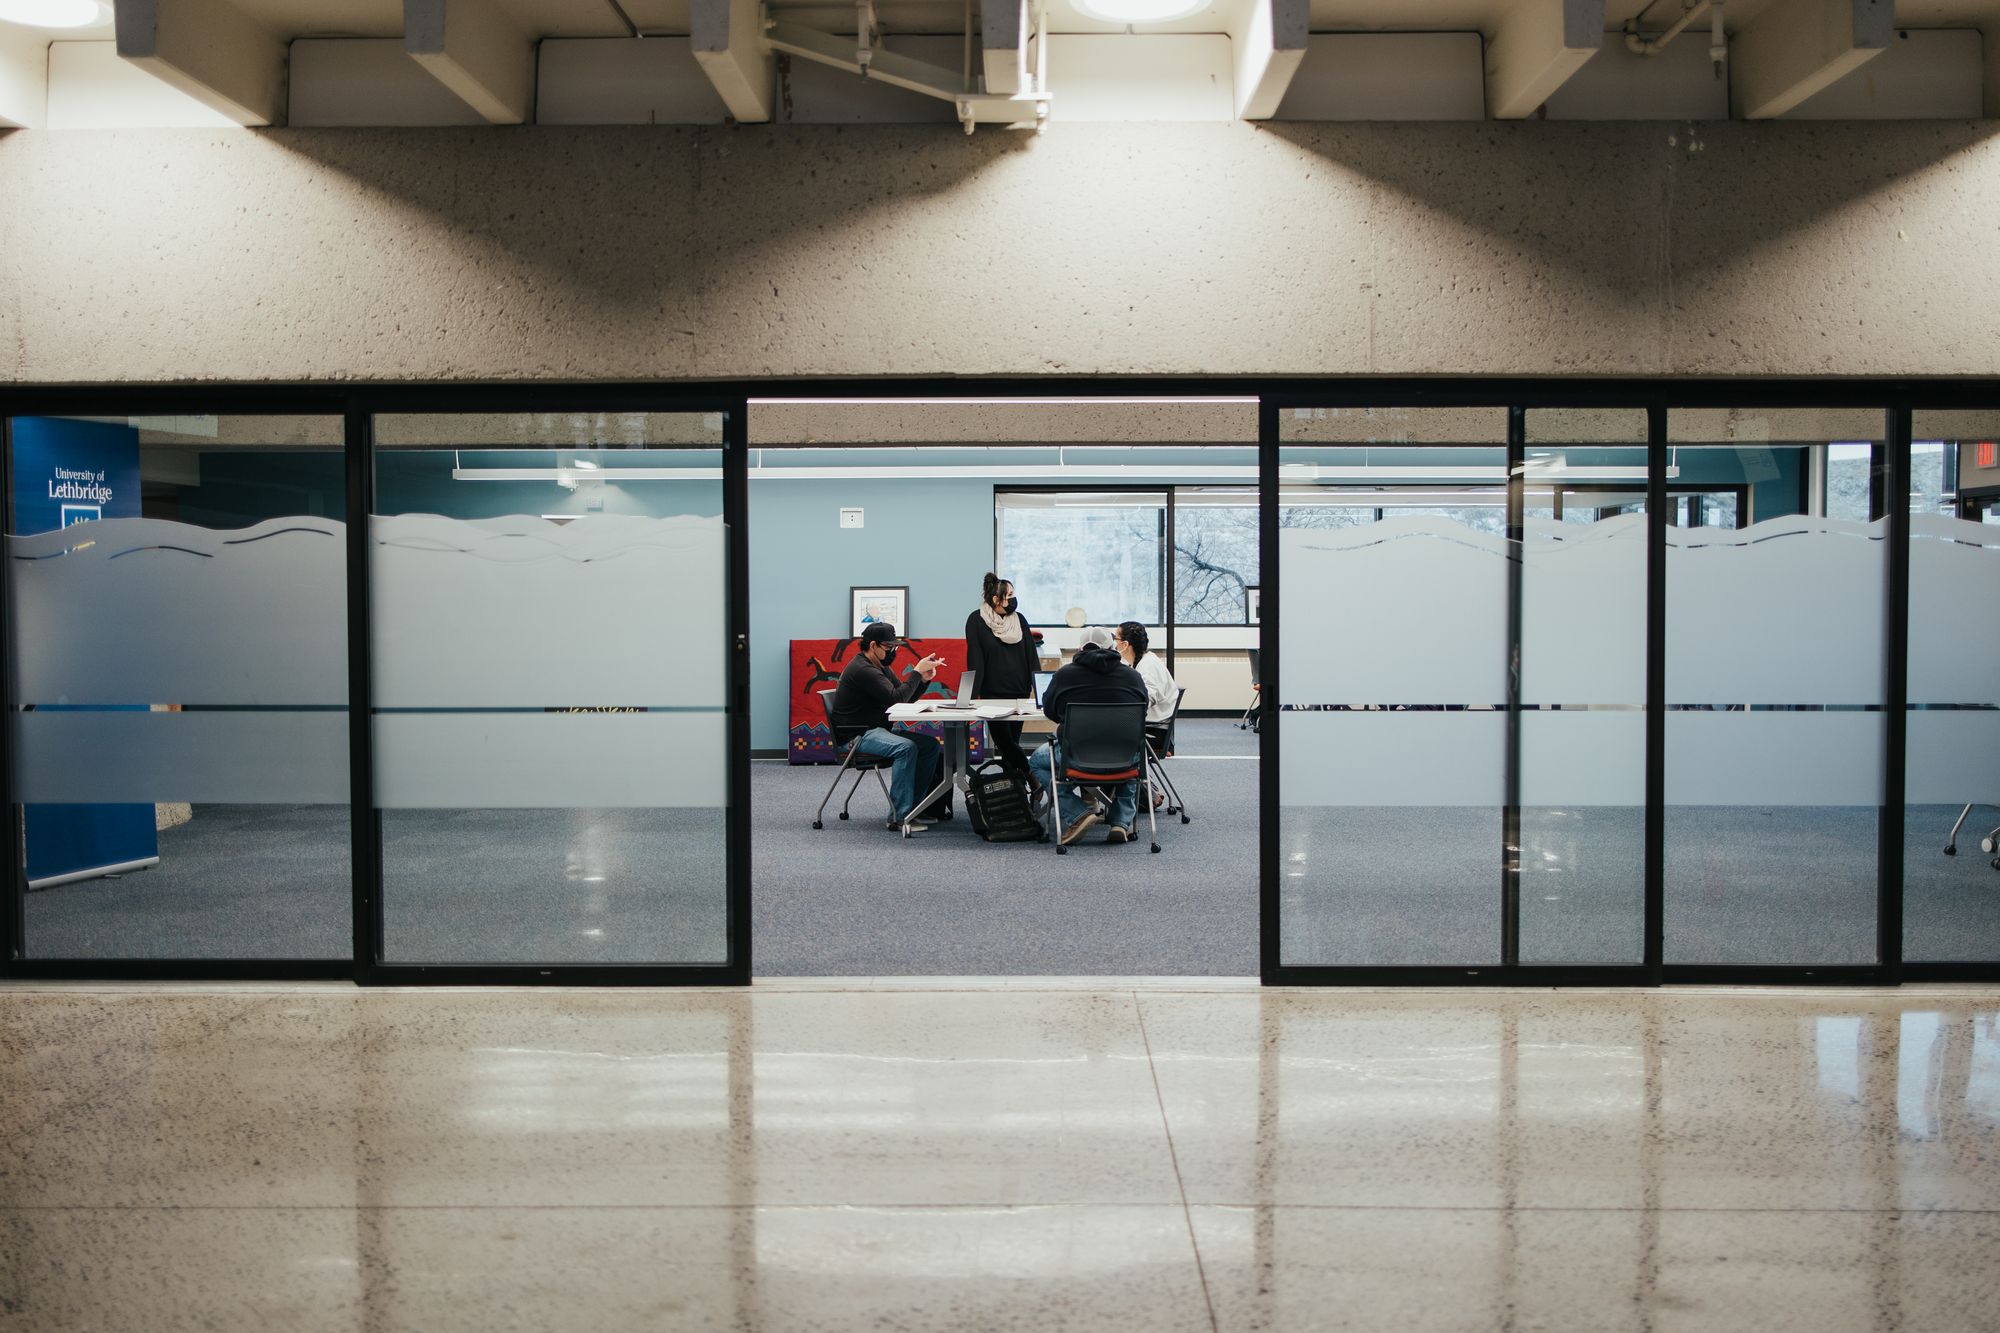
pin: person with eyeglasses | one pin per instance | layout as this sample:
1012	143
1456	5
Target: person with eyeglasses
861	703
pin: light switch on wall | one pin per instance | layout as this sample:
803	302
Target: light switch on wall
850	518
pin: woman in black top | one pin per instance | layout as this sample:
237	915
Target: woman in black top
1000	647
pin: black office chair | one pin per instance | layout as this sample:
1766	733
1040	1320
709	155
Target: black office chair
1160	746
851	759
1254	713
1103	746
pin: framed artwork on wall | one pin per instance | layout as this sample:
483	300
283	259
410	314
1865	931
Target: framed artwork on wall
866	606
1253	603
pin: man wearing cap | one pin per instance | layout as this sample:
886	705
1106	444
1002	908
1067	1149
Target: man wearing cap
861	703
1096	675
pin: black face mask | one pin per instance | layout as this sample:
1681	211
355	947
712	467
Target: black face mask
888	656
1013	605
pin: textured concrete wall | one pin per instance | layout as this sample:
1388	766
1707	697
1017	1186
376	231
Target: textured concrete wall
1577	249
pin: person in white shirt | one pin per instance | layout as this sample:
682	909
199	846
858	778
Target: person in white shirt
1162	695
1161	692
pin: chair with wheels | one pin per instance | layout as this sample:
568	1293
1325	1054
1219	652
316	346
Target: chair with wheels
851	759
1101	746
1989	844
1160	746
1253	714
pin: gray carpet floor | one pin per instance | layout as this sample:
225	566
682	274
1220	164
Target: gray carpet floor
1363	886
854	899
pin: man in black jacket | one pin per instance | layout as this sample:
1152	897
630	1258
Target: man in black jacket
861	703
1096	675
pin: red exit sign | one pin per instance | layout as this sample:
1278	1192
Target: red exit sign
1983	454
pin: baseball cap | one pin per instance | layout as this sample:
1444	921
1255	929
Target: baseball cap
1097	637
880	631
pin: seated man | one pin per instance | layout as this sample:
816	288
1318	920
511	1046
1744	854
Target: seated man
1094	676
861	703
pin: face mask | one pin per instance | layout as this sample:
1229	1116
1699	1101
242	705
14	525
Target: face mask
888	655
1013	605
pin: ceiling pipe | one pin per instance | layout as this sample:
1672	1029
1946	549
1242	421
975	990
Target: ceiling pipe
1652	46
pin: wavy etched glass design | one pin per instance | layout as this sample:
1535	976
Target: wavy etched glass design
162	662
1392	754
1774	734
1952	903
142	610
607	610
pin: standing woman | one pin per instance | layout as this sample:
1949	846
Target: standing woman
1001	649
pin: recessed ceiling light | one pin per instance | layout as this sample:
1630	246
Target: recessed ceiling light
51	13
1141	11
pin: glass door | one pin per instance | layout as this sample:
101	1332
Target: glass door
551	665
178	690
1389	663
1775	661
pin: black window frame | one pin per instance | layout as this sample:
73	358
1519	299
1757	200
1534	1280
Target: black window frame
359	403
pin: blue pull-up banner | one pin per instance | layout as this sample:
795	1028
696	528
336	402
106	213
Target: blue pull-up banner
68	472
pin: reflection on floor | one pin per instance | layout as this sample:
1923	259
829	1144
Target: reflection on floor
1018	1157
854	899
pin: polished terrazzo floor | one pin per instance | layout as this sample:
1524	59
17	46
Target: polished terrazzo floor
1016	1156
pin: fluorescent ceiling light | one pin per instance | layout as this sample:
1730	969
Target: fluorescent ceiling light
585	462
51	13
988	402
1140	11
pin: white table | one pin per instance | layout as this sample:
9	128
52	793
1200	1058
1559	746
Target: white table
957	723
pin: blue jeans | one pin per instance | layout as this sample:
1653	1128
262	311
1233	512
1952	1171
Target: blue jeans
1124	802
911	756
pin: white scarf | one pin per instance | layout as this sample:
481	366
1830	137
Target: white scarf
1006	629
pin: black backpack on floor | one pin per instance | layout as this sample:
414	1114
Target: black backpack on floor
998	805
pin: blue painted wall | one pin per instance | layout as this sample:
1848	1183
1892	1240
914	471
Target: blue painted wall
936	536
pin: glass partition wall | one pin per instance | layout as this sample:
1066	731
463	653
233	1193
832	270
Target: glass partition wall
550	684
1641	693
1637	692
177	598
1951	824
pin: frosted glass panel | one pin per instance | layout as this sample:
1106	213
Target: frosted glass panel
607	610
1954	631
1396	612
1774	734
1777	609
550	615
1951	903
1394	758
253	615
547	760
1583	612
178	646
1392	755
227	757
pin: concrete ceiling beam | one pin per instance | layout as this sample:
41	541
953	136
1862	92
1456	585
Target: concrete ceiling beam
1534	49
210	51
1004	30
1267	43
1797	47
729	46
475	49
24	79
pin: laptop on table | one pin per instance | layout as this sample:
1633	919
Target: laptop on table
966	680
